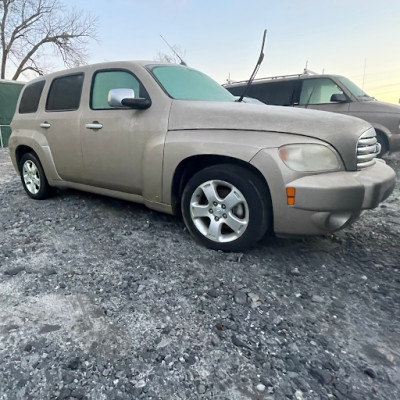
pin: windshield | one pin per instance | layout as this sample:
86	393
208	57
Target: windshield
354	89
182	83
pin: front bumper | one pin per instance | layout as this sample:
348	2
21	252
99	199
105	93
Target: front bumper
335	200
324	202
345	191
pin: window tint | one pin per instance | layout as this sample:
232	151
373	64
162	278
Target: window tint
31	97
318	91
274	93
235	90
104	81
65	93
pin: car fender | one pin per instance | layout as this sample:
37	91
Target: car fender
38	143
184	144
233	144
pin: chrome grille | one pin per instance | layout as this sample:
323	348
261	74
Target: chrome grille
367	149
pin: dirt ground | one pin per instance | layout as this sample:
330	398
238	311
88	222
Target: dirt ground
104	299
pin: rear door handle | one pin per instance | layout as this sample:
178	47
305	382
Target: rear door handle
94	125
45	125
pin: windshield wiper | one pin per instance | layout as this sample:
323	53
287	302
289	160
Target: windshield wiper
253	75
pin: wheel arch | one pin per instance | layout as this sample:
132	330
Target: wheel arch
19	153
193	164
43	154
381	130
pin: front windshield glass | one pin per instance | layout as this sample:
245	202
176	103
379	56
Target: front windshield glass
183	83
354	89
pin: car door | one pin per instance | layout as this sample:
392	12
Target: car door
319	94
58	120
113	139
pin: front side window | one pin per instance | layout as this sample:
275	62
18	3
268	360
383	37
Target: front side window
318	91
104	81
30	98
65	93
182	83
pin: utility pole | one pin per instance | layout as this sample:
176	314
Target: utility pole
365	68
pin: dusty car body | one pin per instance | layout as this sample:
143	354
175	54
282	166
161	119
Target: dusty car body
170	137
333	93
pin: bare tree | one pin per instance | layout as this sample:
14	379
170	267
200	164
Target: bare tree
29	29
176	56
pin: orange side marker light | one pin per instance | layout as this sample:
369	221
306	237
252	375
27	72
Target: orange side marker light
290	194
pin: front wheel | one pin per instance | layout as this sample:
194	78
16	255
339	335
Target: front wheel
226	207
33	178
384	144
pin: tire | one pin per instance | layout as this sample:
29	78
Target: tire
33	178
384	144
226	207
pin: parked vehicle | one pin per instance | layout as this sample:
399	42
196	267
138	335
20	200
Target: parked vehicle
9	92
172	138
328	93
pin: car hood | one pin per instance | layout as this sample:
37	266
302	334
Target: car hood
340	131
375	106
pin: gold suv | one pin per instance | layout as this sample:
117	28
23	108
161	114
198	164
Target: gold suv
172	138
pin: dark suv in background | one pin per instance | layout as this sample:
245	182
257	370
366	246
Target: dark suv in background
328	93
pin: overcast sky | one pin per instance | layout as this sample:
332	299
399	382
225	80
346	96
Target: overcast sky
356	38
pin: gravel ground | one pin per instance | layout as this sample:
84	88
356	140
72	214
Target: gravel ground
104	299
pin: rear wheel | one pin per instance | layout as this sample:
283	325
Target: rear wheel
33	178
226	207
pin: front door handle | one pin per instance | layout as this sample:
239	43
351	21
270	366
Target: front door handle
94	125
45	124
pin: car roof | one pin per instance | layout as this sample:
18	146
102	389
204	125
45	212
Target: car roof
282	78
103	65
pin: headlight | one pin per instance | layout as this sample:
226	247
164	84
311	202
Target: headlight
309	157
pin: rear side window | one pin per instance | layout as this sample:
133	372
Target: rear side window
273	93
65	93
104	81
30	98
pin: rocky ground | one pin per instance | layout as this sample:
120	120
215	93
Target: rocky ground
104	299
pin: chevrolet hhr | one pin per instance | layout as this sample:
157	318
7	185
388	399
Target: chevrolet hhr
173	139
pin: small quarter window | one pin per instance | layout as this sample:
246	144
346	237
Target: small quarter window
104	81
30	98
65	93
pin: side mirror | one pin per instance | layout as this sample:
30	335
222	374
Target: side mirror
137	104
338	98
115	96
126	98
